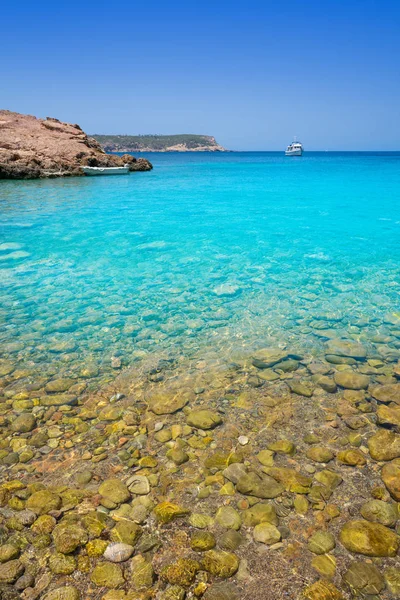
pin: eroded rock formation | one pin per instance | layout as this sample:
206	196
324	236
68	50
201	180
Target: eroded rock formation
31	148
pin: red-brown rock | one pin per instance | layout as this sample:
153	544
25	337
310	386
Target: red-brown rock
32	148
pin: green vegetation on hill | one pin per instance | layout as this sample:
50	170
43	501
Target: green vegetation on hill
155	142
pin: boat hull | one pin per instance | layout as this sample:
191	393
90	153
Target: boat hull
293	152
94	171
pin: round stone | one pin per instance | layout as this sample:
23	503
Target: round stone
203	419
266	534
118	552
220	563
378	511
24	423
370	539
346	348
320	454
351	380
8	552
115	491
10	571
62	565
321	542
228	517
43	501
384	445
352	458
202	541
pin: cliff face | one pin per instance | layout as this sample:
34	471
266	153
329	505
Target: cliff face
31	148
159	143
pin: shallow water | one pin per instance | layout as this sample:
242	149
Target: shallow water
206	257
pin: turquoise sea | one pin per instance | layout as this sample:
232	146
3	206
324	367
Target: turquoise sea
205	258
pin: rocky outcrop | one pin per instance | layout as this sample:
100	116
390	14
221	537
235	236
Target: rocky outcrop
31	148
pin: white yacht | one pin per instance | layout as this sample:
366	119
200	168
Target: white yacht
294	149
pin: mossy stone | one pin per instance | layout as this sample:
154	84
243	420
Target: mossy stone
329	479
96	548
391	478
108	575
353	458
384	445
203	419
200	521
283	447
115	491
230	540
292	480
23	423
142	573
221	460
266	533
11	570
178	456
173	592
266	458
67	592
351	380
228	517
202	541
325	564
69	536
166	512
370	539
252	484
43	502
260	513
301	505
392	579
322	590
364	578
60	564
126	532
320	454
182	572
378	511
220	563
321	542
8	552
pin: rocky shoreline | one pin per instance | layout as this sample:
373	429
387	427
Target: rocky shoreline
275	476
32	148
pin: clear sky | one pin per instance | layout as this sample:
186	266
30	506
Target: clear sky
253	74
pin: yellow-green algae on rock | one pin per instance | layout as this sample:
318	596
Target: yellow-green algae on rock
370	539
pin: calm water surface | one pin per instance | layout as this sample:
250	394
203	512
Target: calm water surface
205	257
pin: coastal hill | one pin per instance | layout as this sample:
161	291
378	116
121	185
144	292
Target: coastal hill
31	148
185	142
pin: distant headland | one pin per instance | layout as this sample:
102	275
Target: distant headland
32	148
185	142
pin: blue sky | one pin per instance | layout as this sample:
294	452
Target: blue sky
253	74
